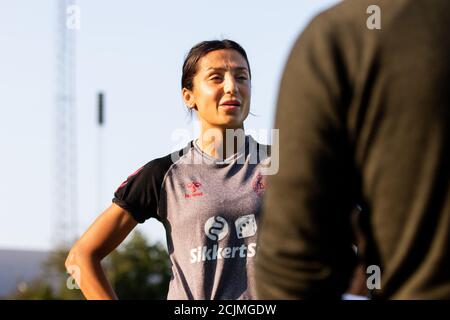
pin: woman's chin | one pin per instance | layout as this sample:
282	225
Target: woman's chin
234	122
227	122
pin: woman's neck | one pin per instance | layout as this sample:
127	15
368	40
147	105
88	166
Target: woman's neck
221	143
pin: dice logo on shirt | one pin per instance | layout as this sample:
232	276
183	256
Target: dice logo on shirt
216	228
246	226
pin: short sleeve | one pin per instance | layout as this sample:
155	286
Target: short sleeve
139	194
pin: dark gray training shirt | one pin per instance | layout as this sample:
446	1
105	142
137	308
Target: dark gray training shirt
210	210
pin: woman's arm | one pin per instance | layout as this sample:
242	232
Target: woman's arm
102	237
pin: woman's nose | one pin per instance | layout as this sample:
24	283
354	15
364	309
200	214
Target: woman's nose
230	86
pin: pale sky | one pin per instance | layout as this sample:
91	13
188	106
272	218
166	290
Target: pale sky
133	51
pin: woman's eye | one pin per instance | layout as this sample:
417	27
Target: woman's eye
215	78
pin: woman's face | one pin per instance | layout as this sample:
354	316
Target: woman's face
222	89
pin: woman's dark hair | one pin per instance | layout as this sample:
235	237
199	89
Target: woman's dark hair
200	50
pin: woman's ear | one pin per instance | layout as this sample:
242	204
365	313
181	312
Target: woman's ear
188	98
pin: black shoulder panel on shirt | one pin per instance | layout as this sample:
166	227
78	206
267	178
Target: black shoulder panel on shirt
139	193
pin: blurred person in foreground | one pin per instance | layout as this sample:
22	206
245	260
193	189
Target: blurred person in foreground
364	118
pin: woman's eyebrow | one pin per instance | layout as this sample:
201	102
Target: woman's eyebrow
224	69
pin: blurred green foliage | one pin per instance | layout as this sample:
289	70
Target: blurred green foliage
136	270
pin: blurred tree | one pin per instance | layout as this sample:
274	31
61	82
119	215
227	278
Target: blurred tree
139	271
136	270
34	290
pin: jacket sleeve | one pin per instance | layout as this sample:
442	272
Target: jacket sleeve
304	247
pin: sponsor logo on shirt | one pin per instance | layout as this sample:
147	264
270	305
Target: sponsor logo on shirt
259	184
216	253
246	226
193	187
216	228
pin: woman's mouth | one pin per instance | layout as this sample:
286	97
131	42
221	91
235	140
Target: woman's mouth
230	105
